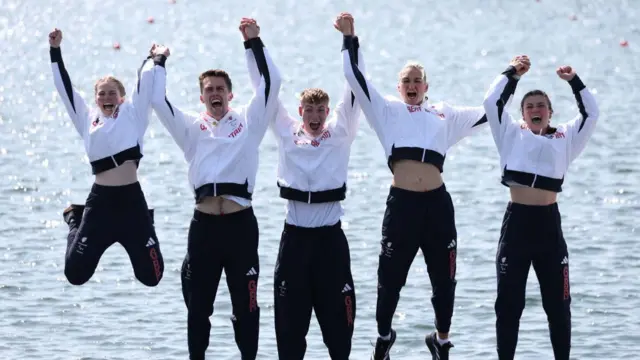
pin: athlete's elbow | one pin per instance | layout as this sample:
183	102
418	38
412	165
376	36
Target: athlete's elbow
157	104
594	112
593	117
275	83
489	106
351	78
158	99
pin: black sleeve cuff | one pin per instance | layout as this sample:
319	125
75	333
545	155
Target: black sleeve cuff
511	72
256	41
576	84
349	42
55	54
160	59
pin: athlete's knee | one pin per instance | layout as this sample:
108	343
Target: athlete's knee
153	271
444	286
509	308
390	277
75	275
246	318
151	279
198	309
388	291
557	313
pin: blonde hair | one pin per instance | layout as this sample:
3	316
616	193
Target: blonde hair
314	96
112	79
411	64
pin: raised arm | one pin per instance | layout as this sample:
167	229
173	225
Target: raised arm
348	109
372	103
249	24
174	120
73	102
263	106
582	126
142	91
282	122
252	67
497	99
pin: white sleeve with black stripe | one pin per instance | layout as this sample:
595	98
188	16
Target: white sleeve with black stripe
73	102
348	108
175	121
373	105
263	106
496	100
582	126
143	90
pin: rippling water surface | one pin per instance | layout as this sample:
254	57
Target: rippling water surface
463	45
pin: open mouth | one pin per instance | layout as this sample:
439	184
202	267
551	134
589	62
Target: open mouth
108	107
412	95
314	125
216	104
536	119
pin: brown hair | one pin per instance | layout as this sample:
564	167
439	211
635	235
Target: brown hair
550	129
534	93
215	73
113	79
314	96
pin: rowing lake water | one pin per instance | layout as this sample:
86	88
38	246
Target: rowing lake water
463	45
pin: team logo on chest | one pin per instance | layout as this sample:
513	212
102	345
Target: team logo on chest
237	128
231	122
299	141
236	131
98	122
419	108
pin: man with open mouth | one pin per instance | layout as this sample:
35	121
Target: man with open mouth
221	148
116	209
313	268
534	158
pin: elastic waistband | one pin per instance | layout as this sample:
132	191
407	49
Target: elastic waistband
219	189
319	229
120	190
533	209
417	195
235	216
313	197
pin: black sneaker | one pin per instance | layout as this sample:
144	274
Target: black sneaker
438	352
383	347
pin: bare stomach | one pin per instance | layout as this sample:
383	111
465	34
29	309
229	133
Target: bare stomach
416	176
124	174
532	196
217	205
